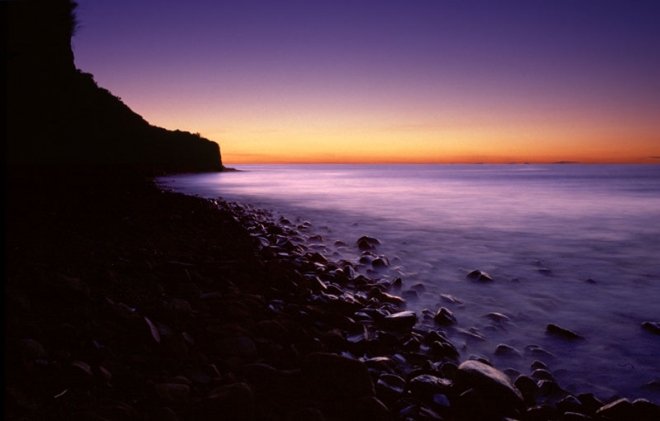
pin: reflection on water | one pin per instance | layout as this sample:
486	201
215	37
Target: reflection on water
574	245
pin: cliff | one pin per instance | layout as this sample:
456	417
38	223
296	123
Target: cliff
58	117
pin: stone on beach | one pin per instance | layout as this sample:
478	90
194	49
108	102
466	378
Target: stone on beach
493	387
562	332
444	317
367	243
403	320
653	327
479	275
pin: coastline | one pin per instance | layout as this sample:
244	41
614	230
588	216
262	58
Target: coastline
127	302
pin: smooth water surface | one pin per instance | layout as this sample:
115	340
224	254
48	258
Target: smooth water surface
574	245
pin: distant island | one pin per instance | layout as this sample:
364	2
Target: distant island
59	118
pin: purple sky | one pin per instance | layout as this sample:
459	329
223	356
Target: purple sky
387	81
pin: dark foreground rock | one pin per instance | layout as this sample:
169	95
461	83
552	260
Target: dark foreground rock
128	303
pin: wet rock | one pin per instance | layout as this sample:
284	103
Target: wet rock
550	391
536	364
497	317
336	376
590	402
410	295
233	401
504	350
444	350
544	271
448	369
527	386
172	393
390	388
367	243
425	386
575	416
653	327
618	410
646	410
450	299
542	412
542	374
444	317
111	409
241	347
386	298
493	386
419	412
471	334
401	321
31	351
380	262
562	332
571	404
80	373
479	275
538	352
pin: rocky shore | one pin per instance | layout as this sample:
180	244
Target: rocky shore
125	302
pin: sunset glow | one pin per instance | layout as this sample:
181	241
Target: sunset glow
387	82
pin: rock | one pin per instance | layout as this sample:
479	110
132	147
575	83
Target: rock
401	321
172	393
653	327
575	416
390	387
646	410
544	271
336	376
493	387
444	317
541	412
110	409
562	333
536	364
367	243
425	386
241	347
480	276
450	299
443	349
380	262
31	351
497	317
542	374
571	404
537	351
504	350
590	402
234	402
527	386
619	410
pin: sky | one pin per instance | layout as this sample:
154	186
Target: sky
415	81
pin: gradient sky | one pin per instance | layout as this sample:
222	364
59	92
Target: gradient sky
387	81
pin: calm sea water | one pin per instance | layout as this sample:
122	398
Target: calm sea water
574	245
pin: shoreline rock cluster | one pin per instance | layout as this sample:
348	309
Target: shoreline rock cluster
128	303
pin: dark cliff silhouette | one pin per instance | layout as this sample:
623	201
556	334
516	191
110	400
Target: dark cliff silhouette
58	117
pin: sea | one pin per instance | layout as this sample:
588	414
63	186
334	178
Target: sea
569	244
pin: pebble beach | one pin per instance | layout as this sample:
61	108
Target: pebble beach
126	302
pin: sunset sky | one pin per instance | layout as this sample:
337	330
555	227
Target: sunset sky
387	81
